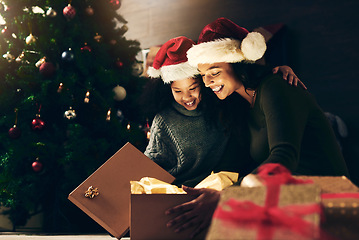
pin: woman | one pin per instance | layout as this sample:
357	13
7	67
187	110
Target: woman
285	124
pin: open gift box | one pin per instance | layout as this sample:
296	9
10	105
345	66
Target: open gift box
106	197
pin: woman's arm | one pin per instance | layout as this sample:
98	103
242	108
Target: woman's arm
288	74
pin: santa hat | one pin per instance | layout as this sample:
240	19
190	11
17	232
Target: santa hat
171	62
225	41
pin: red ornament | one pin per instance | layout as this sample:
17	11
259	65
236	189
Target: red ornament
37	123
14	132
119	64
69	12
37	166
86	48
47	69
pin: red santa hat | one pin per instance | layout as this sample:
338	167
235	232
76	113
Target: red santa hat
225	41
171	62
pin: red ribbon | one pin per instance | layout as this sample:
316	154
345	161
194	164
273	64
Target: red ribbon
270	216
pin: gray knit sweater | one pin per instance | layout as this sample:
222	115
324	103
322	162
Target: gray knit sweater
185	145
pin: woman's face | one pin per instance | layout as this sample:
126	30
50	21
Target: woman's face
187	92
220	78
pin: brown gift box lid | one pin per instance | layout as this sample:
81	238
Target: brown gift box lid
110	208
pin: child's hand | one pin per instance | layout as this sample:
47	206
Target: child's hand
289	75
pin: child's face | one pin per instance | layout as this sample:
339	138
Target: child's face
186	92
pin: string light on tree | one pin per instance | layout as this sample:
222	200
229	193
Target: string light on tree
87	97
61	86
108	115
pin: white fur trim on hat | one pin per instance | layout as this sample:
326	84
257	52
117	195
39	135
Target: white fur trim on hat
228	50
153	72
174	72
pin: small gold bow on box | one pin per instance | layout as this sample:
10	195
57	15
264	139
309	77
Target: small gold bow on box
91	192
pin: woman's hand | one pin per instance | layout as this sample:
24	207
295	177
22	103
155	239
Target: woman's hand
196	213
289	75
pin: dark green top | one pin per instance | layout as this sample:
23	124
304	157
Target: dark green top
287	126
185	144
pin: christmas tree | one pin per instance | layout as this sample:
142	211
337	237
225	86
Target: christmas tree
68	90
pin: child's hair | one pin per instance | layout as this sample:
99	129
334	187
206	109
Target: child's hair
157	96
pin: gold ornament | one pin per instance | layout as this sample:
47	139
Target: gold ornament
41	61
98	38
70	114
120	93
51	12
8	56
30	39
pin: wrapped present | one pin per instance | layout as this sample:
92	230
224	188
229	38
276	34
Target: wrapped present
282	208
340	199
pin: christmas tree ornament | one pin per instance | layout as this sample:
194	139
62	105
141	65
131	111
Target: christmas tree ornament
68	56
120	115
147	129
37	165
20	58
47	69
137	68
38	10
37	123
69	12
89	11
108	115
119	63
87	97
30	39
120	93
8	56
15	131
51	12
61	86
70	114
98	38
86	48
41	61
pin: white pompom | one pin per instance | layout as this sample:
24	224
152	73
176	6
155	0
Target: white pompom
253	46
